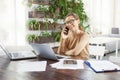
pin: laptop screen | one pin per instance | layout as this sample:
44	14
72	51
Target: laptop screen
44	51
6	51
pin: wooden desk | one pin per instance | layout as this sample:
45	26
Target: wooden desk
8	72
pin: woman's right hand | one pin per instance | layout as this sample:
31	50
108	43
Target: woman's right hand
64	33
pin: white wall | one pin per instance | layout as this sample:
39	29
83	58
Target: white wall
103	14
117	13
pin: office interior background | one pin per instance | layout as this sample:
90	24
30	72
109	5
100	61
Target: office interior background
103	15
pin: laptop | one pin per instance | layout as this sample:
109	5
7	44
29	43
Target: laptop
45	51
19	55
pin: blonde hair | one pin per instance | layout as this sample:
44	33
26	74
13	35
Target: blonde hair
76	17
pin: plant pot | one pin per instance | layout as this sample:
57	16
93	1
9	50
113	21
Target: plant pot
31	29
43	26
45	2
46	39
36	14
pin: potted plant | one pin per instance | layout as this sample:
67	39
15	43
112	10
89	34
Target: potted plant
33	25
33	38
46	37
56	35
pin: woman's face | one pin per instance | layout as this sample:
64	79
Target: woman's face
72	23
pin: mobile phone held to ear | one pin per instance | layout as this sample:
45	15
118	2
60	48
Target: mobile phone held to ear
66	31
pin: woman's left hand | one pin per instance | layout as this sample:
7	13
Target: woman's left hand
69	53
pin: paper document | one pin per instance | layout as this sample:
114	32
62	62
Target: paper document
102	66
60	65
32	66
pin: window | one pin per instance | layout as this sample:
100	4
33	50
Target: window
12	22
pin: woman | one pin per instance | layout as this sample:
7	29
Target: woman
74	40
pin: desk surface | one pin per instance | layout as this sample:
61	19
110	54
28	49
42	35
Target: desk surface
7	72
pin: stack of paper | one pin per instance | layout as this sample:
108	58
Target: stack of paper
32	66
60	65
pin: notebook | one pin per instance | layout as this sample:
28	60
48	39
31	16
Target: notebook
45	51
19	55
102	66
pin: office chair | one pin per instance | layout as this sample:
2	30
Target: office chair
97	51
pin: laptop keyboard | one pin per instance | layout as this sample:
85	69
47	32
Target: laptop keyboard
17	55
23	54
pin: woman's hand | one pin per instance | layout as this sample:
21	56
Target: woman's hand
64	33
70	52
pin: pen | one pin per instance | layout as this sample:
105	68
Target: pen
114	70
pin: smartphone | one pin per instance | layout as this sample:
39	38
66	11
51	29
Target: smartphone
70	62
66	30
